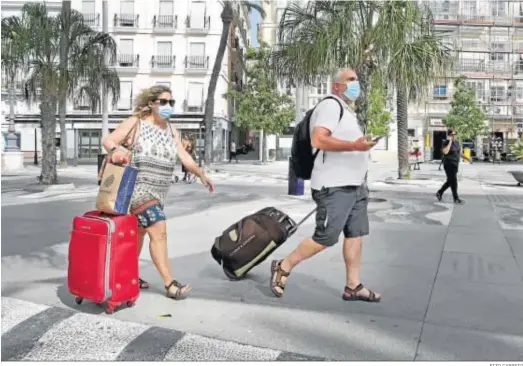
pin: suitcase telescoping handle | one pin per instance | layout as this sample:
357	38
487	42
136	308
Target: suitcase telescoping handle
303	220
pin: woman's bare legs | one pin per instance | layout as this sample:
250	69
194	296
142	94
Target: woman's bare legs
158	249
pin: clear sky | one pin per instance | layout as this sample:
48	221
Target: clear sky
255	18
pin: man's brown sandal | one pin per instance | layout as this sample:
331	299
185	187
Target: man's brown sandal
276	278
181	290
352	294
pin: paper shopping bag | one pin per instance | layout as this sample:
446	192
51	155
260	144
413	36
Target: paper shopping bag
116	189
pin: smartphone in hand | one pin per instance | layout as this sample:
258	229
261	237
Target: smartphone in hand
377	138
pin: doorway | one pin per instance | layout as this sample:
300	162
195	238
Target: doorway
437	142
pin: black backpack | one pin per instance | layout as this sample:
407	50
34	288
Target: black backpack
302	157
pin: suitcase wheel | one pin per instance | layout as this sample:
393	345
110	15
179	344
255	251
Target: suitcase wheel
231	275
109	309
130	304
78	300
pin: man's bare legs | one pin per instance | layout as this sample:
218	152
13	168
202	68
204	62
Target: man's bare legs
352	256
307	248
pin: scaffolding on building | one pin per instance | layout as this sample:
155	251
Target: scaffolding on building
487	38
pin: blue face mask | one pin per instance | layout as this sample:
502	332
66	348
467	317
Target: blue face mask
353	90
165	111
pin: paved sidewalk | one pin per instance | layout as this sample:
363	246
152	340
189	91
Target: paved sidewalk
35	332
451	279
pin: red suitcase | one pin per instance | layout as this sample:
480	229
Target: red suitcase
103	260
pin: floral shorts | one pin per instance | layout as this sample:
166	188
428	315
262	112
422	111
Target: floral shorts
151	216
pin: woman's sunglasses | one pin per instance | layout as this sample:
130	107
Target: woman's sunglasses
165	101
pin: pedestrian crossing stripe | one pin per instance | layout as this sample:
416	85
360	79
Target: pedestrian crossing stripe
36	332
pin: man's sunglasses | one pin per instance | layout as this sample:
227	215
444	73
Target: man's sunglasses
165	101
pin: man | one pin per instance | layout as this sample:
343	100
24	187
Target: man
451	155
232	152
338	188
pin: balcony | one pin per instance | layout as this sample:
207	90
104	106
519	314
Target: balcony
198	26
126	23
475	19
196	64
165	24
127	63
163	64
470	65
92	20
198	108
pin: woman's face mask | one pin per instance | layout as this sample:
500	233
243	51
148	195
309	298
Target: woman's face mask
353	90
165	108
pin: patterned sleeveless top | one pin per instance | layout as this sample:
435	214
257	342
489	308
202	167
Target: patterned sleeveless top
154	155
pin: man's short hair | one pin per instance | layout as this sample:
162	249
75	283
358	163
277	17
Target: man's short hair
338	74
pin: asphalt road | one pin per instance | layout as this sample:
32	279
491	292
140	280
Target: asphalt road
31	227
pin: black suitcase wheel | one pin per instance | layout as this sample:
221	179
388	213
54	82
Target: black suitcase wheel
129	304
78	300
231	275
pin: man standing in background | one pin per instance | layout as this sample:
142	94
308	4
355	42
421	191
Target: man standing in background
232	152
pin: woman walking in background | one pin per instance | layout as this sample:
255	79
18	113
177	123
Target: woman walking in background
154	147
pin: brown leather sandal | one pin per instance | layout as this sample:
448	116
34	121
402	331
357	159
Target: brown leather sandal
276	277
181	290
352	294
144	285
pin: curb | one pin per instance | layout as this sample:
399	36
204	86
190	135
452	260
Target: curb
36	332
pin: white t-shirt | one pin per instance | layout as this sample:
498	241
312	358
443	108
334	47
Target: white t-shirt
338	168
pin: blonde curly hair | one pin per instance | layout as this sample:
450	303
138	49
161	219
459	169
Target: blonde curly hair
142	108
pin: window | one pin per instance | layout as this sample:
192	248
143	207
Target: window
478	87
166	7
495	56
126	46
497	93
88	6
126	95
519	90
440	91
164	48
196	56
198	14
321	87
498	8
195	97
127	7
197	49
470	8
89	143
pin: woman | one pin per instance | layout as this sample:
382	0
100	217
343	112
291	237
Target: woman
154	146
451	156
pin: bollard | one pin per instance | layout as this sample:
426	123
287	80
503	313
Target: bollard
466	152
296	186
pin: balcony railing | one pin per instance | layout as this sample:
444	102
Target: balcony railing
92	20
126	20
128	60
165	21
199	108
206	23
163	62
197	62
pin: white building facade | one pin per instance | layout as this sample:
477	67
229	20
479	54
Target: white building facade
306	96
169	42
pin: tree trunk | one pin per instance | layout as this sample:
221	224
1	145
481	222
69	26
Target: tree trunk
209	103
265	153
403	134
362	103
62	107
48	115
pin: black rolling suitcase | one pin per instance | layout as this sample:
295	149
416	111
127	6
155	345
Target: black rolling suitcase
251	240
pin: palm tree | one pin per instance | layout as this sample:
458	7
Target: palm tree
417	56
368	36
227	17
43	81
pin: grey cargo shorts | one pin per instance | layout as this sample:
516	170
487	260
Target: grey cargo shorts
340	209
